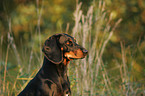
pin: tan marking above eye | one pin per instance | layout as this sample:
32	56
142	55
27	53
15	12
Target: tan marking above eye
67	42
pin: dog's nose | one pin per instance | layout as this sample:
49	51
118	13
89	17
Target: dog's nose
85	51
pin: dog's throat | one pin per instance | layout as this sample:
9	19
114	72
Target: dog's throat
66	61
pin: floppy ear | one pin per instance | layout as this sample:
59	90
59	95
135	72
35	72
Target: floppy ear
52	51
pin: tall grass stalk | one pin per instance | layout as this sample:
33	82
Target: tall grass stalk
89	31
12	43
39	13
5	71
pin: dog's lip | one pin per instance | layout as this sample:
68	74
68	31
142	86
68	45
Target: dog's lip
71	58
78	57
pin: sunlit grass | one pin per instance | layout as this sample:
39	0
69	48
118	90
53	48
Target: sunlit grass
91	76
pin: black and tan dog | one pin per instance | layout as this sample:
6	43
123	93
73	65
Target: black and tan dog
52	79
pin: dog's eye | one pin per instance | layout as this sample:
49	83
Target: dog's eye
69	43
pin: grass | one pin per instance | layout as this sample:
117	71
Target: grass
90	76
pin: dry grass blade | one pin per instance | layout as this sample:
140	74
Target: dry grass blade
39	13
5	71
28	79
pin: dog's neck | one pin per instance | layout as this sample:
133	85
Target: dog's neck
61	68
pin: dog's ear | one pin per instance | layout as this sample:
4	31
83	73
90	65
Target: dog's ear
52	49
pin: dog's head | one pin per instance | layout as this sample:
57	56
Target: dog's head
61	46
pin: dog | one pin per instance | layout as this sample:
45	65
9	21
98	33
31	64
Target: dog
52	79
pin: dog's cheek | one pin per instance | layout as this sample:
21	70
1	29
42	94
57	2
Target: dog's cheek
65	48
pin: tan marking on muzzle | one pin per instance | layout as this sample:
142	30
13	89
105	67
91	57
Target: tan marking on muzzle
76	54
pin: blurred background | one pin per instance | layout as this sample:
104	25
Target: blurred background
113	32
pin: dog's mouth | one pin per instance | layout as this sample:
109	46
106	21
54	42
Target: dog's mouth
78	54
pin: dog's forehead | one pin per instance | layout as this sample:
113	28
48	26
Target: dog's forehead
65	37
68	37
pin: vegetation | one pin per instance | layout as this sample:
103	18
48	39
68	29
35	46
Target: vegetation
112	31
